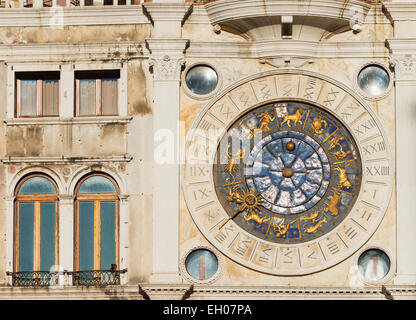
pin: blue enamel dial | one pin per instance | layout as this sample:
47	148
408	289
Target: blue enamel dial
287	172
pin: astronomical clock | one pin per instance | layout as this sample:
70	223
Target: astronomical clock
287	172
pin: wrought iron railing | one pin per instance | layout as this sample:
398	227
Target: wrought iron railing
39	279
97	278
34	278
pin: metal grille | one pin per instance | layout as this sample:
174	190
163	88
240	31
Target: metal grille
34	278
97	277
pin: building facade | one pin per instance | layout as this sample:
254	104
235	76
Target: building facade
207	149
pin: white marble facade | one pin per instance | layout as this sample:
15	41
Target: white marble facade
154	45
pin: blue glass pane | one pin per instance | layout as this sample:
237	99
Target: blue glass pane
26	212
201	264
37	185
86	235
108	234
374	264
97	184
47	236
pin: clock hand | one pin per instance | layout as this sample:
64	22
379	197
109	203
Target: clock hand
232	217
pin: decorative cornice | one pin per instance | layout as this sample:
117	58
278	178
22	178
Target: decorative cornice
284	48
61	16
66	160
48	52
400	11
239	12
156	11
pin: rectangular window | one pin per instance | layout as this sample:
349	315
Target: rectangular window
37	94
97	92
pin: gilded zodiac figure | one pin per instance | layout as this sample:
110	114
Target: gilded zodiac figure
232	161
335	142
312	217
295	118
281	229
255	217
332	206
318	125
314	228
266	118
341	154
342	178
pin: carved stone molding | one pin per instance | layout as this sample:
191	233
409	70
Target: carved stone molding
403	58
167	58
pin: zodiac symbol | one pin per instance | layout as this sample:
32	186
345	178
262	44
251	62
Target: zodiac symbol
317	125
281	229
231	166
341	154
314	228
332	206
335	142
263	124
342	178
253	216
295	118
233	195
312	217
266	118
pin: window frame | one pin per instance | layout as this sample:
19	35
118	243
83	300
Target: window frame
36	199
40	77
97	75
96	198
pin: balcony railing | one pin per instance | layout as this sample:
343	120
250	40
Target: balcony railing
39	279
34	278
97	278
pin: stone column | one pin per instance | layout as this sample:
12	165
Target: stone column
66	237
403	58
166	58
124	236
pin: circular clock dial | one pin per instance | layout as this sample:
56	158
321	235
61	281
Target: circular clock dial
287	173
299	161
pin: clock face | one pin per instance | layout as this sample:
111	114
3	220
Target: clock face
296	163
287	173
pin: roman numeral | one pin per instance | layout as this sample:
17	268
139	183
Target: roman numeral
374	148
377	171
330	98
333	247
265	256
265	89
201	194
351	233
310	88
242	247
197	172
224	233
364	127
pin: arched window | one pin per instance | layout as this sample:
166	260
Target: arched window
96	231
35	231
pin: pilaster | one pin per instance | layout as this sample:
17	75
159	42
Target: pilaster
403	58
166	58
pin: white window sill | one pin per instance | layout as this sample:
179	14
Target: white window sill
67	121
